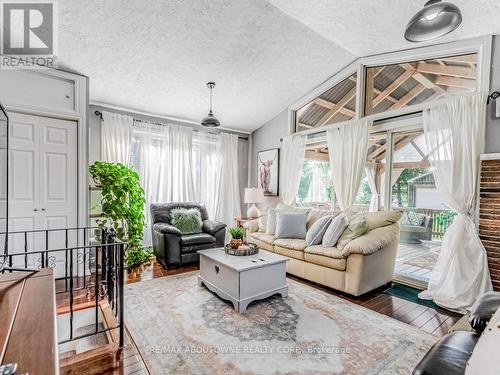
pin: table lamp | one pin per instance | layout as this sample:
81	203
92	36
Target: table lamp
252	196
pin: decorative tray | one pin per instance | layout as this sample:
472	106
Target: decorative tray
253	249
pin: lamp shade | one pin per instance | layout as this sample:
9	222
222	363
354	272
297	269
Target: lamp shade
254	195
436	19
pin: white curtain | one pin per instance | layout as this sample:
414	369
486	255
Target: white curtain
347	147
206	167
454	132
293	149
227	206
371	171
177	165
116	137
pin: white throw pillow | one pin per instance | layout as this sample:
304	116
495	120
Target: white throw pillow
484	358
262	219
334	231
271	221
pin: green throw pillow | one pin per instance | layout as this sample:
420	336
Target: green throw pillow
188	221
357	227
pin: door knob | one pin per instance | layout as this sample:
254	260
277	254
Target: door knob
35	209
43	209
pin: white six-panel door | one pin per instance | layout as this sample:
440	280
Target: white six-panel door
43	183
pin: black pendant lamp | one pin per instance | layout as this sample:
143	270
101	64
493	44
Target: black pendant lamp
438	18
210	121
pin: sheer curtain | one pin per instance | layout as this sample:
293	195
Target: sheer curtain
347	147
227	206
177	169
454	132
370	171
116	137
293	149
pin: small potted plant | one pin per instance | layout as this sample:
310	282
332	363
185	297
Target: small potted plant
237	237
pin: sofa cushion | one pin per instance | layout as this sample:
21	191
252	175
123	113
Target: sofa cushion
335	229
331	252
356	228
297	254
290	225
382	218
449	355
197	238
316	214
291	243
326	261
372	241
316	232
264	237
187	220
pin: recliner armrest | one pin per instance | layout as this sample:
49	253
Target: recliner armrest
212	226
483	309
167	229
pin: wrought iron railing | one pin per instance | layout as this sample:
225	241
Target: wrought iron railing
83	267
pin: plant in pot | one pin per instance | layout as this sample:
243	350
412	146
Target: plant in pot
122	207
236	237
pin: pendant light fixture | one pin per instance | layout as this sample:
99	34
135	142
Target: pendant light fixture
210	121
438	18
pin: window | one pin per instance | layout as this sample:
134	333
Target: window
396	86
335	105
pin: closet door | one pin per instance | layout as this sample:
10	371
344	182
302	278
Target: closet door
43	184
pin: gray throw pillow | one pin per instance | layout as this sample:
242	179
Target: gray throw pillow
271	221
314	235
335	229
290	225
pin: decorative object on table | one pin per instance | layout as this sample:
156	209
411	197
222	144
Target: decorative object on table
268	171
245	249
436	19
252	196
210	121
122	206
237	234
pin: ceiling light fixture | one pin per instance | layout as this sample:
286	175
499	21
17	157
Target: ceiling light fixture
438	18
210	121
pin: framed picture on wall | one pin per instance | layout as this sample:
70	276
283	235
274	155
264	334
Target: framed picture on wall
268	171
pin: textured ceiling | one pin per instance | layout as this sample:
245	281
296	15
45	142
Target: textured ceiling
156	56
367	27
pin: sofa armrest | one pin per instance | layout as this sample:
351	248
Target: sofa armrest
211	226
373	240
251	226
483	309
165	228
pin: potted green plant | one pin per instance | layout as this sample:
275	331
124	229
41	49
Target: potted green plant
237	237
122	207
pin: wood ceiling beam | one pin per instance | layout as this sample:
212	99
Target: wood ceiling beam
393	86
464	59
451	71
423	80
456	82
328	104
412	94
315	155
337	107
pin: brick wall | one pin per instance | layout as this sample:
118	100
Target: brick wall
489	216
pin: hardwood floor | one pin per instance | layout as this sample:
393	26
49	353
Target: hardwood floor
435	321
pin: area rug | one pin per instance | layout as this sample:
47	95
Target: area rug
181	328
426	261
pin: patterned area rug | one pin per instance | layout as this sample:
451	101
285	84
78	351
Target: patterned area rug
181	328
426	261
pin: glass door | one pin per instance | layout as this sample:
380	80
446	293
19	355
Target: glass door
425	215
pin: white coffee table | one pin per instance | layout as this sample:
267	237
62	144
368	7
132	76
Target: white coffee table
243	279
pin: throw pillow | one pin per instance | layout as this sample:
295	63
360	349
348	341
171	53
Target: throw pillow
356	228
262	219
188	221
335	229
290	225
414	218
382	218
271	221
315	234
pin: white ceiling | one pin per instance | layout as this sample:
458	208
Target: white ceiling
156	56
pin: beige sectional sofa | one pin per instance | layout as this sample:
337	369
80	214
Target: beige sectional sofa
365	263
